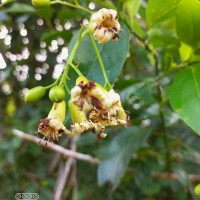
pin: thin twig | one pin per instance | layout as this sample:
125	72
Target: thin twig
160	100
74	181
172	176
85	157
64	175
56	147
56	158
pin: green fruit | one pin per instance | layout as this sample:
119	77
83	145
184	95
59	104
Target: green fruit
41	3
35	94
56	94
187	22
197	189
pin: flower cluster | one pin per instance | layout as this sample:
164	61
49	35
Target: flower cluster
101	107
104	25
91	108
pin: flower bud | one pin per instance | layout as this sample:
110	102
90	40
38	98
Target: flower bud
58	111
57	94
41	3
35	94
77	116
80	122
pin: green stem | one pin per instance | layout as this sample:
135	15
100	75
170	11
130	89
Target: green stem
163	129
76	2
107	83
76	69
71	5
161	113
71	57
49	24
54	83
67	89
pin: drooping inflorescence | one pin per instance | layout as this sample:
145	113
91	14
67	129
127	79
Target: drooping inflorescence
91	106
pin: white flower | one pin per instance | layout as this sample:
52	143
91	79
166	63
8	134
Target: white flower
52	126
104	25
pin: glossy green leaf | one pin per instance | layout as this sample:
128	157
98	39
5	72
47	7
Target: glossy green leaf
184	96
158	11
185	52
113	55
116	155
187	22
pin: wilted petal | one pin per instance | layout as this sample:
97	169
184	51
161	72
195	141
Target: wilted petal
104	25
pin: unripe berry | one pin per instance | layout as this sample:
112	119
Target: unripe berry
35	94
57	94
41	3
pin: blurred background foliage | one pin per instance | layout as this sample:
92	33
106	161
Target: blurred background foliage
153	159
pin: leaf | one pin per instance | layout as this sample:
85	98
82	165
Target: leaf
132	7
157	11
113	55
141	90
20	8
162	41
187	22
65	15
184	96
116	155
44	12
47	37
185	52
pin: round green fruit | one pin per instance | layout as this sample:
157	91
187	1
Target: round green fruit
35	94
41	3
197	189
56	94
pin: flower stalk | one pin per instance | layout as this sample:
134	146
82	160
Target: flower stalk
77	5
71	57
107	83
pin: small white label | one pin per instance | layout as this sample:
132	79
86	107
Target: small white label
27	196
